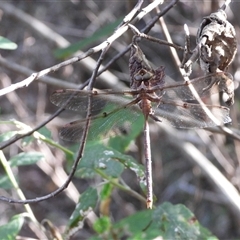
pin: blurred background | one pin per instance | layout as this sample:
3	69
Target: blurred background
176	178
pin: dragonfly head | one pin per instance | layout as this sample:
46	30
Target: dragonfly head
142	75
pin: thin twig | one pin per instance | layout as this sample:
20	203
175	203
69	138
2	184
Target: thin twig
20	136
11	10
133	13
227	2
145	30
13	180
153	39
44	72
194	92
50	35
187	63
214	175
27	72
124	187
211	171
35	76
72	60
75	164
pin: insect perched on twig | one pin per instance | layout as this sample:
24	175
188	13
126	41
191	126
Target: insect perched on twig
151	97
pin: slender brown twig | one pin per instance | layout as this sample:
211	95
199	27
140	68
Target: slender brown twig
102	47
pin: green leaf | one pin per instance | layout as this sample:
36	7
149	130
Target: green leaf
6	136
137	168
131	164
45	132
87	202
5	182
98	157
7	44
138	226
136	222
121	126
178	222
121	142
23	159
102	225
10	230
166	222
29	139
106	191
102	32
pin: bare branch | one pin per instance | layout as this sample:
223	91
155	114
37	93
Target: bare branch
50	35
26	71
183	72
213	174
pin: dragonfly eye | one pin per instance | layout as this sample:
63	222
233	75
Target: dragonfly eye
143	75
146	83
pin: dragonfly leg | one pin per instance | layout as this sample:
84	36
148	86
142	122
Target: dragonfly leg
155	118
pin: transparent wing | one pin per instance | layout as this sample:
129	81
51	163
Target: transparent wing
116	120
112	111
188	115
113	121
77	100
176	107
205	86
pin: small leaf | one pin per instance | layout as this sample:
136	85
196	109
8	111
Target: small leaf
87	202
45	132
121	142
100	157
137	168
6	136
111	162
5	182
105	199
166	222
23	159
102	225
136	222
7	44
131	164
12	228
102	32
138	226
178	222
29	139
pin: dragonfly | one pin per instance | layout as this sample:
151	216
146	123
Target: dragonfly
149	97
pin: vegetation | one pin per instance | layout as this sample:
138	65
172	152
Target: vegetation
195	171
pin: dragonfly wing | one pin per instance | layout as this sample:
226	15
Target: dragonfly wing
188	115
114	120
210	84
110	110
77	100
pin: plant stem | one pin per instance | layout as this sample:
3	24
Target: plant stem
120	186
